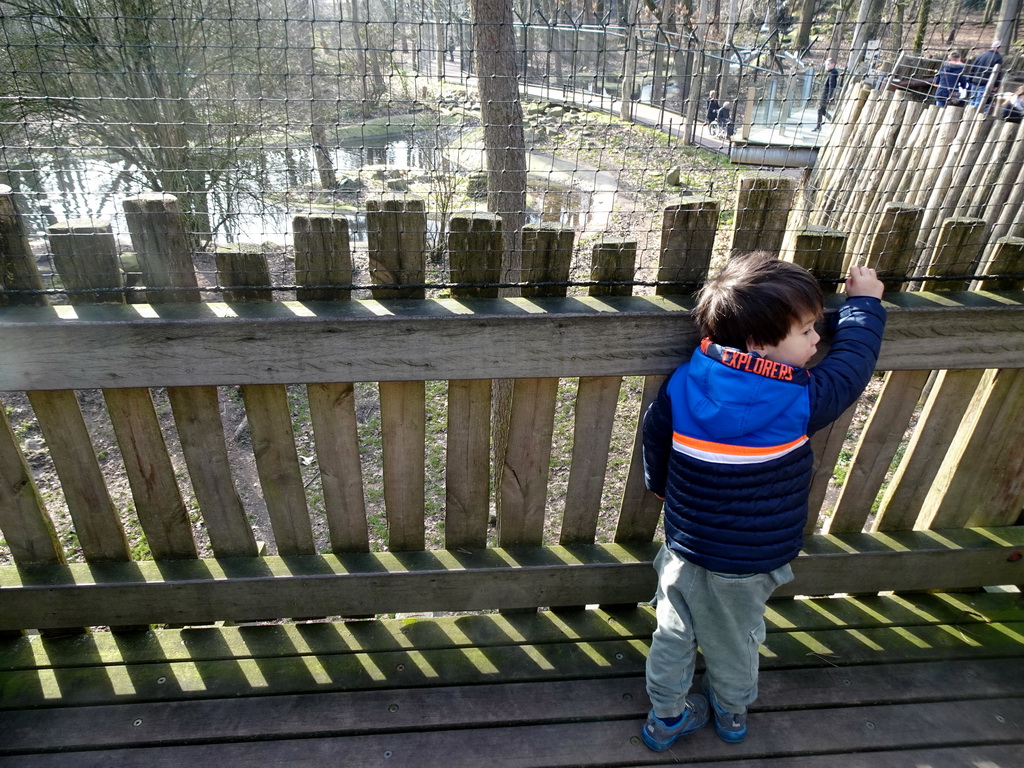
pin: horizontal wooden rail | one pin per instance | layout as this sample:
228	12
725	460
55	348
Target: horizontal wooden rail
47	597
287	342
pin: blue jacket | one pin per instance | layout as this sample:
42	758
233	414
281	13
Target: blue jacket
727	443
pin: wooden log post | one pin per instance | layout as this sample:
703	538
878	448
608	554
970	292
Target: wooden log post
323	272
950	170
762	210
958	186
245	277
85	254
1004	184
18	270
986	185
903	505
892	256
397	243
687	242
614	260
157	228
475	247
522	479
957	252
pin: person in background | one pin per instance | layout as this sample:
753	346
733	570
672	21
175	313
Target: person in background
725	119
1013	108
949	80
980	72
713	107
828	91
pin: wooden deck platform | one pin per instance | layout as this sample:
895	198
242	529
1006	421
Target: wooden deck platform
913	680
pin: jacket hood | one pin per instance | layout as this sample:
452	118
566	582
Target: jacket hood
730	393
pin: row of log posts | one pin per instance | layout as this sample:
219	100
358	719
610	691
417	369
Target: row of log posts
948	162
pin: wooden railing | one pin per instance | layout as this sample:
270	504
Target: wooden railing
960	468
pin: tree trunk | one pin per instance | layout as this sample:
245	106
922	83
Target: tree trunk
505	149
803	35
301	15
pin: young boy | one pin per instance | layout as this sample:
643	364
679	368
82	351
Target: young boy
726	447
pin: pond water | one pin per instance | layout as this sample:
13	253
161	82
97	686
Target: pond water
69	184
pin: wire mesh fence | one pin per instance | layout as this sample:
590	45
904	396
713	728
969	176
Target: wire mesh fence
252	113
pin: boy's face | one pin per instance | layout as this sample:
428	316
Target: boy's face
797	348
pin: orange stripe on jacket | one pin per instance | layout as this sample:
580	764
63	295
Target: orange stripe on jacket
735	450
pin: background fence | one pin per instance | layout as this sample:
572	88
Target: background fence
250	114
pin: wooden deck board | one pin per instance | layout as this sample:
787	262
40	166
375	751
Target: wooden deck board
936	676
778	734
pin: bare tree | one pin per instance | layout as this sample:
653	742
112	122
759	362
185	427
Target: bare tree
502	116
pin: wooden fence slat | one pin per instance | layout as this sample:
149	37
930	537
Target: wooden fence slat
18	270
762	210
396	240
85	254
822	251
277	464
245	277
951	395
891	254
97	522
147	463
688	229
1007	258
982	476
161	242
323	265
403	430
639	510
157	228
523	475
196	413
876	448
613	259
396	232
26	525
826	445
323	257
59	415
475	244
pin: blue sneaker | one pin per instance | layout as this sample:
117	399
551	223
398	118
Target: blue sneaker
659	736
730	726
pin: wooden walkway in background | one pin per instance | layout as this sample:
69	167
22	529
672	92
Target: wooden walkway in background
917	680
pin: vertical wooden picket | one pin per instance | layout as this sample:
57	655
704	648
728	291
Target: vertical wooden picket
245	276
687	241
614	260
762	210
85	255
323	270
27	526
157	229
523	476
397	237
823	252
474	251
903	505
96	521
891	253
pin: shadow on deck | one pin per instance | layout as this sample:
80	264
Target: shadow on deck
912	680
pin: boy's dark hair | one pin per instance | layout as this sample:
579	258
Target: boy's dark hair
756	298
